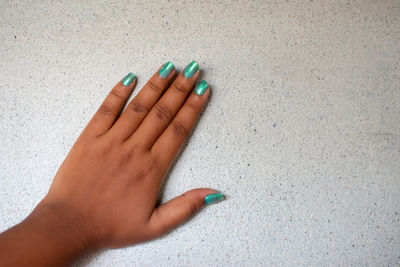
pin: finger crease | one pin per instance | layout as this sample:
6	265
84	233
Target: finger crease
153	86
138	108
163	112
179	88
117	95
107	110
179	129
189	104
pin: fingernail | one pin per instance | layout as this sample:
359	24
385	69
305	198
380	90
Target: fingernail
201	88
167	69
212	198
191	69
128	79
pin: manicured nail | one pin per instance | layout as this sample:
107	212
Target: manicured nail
191	69
128	79
214	198
201	88
167	69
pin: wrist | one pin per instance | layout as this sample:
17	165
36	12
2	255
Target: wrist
51	235
59	221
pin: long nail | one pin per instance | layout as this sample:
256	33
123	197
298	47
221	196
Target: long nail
212	198
201	88
128	79
191	69
167	69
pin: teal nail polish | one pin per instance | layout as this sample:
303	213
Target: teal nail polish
191	69
128	79
214	198
201	88
167	69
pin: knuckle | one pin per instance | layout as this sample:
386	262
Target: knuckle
106	147
136	107
163	112
82	148
193	104
179	129
150	167
157	161
154	86
100	150
179	87
131	154
117	94
106	109
147	168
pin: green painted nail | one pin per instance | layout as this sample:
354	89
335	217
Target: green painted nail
214	198
167	69
128	79
191	69
201	88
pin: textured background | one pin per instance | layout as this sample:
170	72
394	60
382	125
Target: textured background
301	133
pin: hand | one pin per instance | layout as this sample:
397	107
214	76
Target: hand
106	190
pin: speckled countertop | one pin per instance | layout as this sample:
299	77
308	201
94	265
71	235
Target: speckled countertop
302	132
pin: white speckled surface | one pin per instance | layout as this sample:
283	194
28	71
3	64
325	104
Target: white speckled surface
302	132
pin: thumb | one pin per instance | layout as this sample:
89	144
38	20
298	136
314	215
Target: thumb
179	209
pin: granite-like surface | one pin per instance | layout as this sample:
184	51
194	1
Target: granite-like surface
302	132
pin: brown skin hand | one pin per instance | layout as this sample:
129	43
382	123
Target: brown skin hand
105	192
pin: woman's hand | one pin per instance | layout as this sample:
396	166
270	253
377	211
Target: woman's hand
105	192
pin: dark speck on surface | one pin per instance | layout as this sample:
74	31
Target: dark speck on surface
274	125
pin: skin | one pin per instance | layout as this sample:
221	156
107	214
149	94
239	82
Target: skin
105	193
